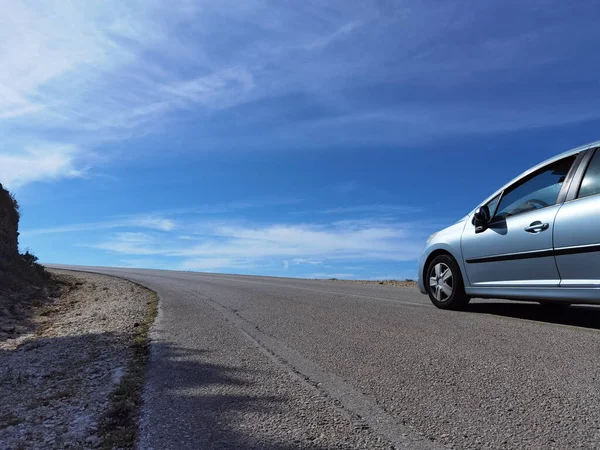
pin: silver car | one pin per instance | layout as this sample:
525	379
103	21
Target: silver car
536	238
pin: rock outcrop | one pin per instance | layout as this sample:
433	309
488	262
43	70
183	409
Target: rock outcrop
23	282
9	227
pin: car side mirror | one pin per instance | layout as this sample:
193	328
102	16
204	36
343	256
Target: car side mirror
481	218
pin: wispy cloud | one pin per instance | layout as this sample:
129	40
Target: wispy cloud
339	34
111	67
237	246
231	207
38	162
119	65
217	90
371	72
374	208
379	210
142	221
312	261
123	65
130	243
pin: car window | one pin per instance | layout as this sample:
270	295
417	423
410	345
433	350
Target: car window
591	180
537	191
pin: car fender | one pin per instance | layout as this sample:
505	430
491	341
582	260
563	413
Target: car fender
448	240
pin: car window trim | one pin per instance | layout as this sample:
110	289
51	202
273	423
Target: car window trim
563	190
582	160
573	193
499	197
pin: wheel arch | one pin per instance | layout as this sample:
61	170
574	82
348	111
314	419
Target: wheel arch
434	254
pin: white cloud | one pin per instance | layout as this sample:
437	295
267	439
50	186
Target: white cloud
75	67
312	261
121	69
337	35
109	65
216	90
142	221
374	208
154	223
122	65
39	162
301	244
129	243
286	265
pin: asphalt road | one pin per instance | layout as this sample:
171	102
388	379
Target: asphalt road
272	363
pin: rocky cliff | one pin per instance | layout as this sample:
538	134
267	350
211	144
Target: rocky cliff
23	282
9	226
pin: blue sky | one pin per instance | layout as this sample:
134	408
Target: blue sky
309	139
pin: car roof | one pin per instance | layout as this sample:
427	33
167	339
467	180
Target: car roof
539	166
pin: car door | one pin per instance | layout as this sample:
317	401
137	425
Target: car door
516	248
577	229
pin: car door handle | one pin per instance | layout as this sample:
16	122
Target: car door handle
537	227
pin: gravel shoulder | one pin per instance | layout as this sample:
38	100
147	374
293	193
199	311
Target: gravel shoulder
59	373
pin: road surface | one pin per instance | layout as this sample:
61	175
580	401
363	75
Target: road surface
272	363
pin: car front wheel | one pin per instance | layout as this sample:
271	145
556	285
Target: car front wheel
445	285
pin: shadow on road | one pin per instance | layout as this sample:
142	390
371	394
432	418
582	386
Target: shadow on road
576	315
214	406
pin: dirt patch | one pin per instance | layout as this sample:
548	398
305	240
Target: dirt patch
23	287
60	373
25	305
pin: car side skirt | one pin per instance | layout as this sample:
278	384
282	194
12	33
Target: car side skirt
559	294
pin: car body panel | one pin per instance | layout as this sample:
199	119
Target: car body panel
507	237
577	242
559	294
531	270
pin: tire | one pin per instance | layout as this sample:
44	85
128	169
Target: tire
446	289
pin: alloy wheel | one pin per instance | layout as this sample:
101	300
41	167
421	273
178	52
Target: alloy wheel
441	282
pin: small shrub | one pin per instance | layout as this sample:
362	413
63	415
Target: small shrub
29	258
15	203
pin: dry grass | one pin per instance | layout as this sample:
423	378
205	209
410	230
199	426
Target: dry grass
119	427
